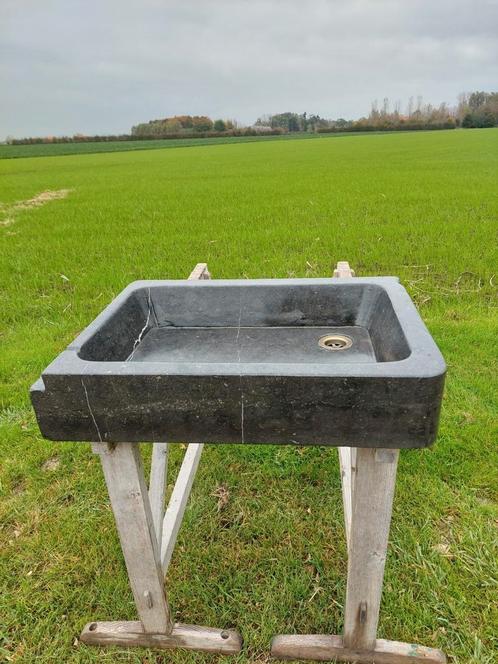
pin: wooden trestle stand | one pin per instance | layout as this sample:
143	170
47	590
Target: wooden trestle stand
148	536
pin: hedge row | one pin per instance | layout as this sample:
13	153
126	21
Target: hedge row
249	131
399	127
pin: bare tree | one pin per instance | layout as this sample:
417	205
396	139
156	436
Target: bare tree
410	107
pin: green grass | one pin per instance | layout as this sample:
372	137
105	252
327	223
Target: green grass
420	206
53	149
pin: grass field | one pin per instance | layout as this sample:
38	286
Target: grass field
272	559
52	149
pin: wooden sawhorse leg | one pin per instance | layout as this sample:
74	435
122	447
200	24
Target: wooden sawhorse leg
368	478
148	535
369	531
129	497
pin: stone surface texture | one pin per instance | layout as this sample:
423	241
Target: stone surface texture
238	361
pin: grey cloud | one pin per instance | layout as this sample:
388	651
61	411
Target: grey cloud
96	67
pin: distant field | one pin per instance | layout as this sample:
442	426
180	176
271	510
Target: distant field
423	206
52	149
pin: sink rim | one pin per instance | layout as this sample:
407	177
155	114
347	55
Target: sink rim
424	361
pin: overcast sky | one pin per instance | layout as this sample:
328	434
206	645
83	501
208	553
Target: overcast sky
100	66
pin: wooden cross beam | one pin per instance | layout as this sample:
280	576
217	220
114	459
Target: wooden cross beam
178	502
328	648
190	637
157	486
167	524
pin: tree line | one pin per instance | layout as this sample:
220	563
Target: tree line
478	109
181	124
474	109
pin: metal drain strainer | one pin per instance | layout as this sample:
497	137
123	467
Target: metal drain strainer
335	342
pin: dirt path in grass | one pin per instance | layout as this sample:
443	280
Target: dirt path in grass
8	213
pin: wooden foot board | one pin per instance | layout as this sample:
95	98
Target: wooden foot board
325	648
191	637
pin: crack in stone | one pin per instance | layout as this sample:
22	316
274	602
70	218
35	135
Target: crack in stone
91	411
142	331
240	371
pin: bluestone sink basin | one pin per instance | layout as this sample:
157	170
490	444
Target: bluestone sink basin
302	361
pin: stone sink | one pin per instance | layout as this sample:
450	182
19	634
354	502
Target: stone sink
300	361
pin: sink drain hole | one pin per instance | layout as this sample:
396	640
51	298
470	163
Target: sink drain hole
335	342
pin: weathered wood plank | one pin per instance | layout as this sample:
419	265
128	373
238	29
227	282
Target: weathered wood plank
191	637
353	472
183	485
123	472
346	464
343	270
347	455
371	518
200	271
157	486
324	647
178	502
